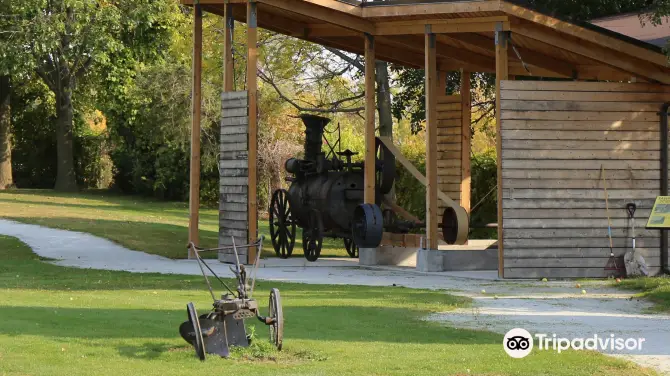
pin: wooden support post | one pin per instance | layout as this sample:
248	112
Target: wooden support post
502	73
196	103
466	133
431	140
252	57
229	66
370	108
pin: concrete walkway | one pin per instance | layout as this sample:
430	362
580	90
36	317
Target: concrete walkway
540	307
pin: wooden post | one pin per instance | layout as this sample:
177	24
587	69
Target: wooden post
196	103
370	108
502	73
229	66
431	140
252	57
466	115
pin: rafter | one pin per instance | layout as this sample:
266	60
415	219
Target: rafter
482	43
585	34
323	14
596	52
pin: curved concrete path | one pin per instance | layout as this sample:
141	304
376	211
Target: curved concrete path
553	307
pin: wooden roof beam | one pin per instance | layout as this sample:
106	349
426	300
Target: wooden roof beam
438	27
592	51
549	63
585	34
330	30
446	62
272	21
323	14
435	8
470	61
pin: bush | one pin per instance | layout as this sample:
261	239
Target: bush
484	198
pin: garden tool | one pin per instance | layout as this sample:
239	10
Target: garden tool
633	260
614	264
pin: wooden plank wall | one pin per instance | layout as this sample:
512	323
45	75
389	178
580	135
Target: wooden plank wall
555	138
234	174
449	125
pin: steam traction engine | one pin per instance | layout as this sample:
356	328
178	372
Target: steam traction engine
325	198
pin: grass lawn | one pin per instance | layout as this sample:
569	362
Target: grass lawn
64	321
137	223
656	289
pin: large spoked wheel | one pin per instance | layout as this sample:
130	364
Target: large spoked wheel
282	227
367	226
351	247
312	236
277	315
199	343
384	167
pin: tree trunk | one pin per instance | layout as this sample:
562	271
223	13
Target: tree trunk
65	175
384	108
5	134
384	99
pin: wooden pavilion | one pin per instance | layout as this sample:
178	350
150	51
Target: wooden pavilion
554	136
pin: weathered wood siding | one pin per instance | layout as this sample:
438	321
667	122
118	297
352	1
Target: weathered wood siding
234	174
449	138
555	138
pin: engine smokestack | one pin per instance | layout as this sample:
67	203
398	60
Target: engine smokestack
313	134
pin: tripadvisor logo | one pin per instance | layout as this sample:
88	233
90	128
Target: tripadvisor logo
518	343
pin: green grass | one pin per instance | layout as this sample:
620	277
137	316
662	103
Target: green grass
65	321
655	289
138	223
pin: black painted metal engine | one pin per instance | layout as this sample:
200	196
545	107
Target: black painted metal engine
325	198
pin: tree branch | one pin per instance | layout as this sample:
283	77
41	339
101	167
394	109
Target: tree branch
334	107
347	58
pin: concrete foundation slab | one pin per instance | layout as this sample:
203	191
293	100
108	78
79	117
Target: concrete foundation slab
385	255
430	260
462	260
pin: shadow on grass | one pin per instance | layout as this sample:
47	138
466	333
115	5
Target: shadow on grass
147	351
317	323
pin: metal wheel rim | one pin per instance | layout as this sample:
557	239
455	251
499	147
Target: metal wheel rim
199	342
312	236
282	227
385	174
351	247
275	311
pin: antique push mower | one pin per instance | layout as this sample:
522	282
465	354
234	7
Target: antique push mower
223	326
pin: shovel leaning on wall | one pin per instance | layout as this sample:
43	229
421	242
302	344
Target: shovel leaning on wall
634	261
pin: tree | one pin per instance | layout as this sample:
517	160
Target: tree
64	41
5	134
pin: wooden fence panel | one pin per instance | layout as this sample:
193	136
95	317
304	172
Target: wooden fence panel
449	147
234	174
